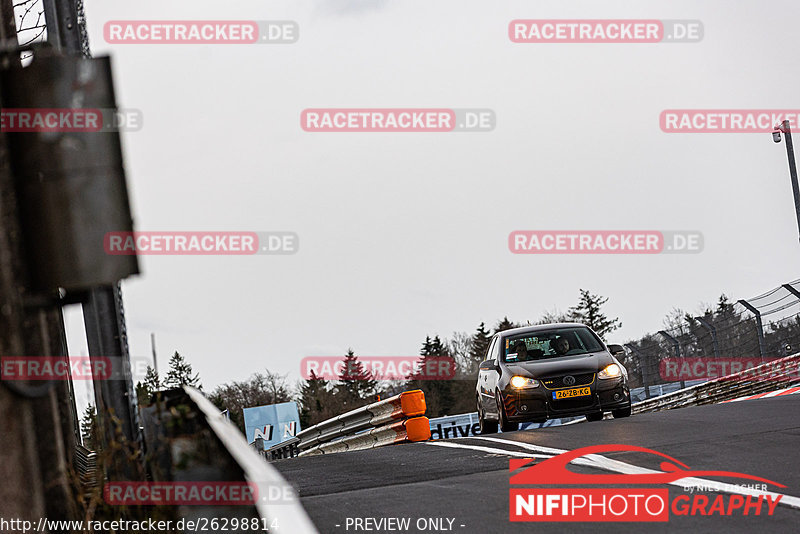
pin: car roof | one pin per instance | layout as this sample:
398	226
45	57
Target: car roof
538	328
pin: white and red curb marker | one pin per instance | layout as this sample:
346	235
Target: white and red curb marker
768	394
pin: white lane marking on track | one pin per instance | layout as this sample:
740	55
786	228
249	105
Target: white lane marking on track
490	450
538	448
607	464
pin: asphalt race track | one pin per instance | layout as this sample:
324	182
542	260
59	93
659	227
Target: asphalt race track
466	489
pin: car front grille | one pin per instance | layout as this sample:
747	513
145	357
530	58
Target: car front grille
573	404
557	382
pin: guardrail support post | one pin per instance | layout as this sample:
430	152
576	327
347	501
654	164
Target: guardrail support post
759	327
677	346
713	331
645	371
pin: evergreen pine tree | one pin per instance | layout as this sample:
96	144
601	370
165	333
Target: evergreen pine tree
589	312
145	390
439	393
315	398
724	307
480	344
180	373
356	384
505	324
151	380
142	395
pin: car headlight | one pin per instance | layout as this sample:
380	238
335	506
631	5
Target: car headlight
522	382
611	371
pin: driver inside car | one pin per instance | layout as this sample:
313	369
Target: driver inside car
522	351
561	345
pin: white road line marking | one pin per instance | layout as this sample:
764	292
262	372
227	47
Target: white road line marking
546	450
607	464
489	450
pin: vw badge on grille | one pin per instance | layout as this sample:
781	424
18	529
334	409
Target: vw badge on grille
569	380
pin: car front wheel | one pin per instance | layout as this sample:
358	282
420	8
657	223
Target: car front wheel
505	424
622	412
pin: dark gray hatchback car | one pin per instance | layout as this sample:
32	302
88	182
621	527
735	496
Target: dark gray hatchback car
550	371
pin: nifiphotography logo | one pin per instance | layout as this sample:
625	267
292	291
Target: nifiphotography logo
591	498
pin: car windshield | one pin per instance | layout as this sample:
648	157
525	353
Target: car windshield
546	344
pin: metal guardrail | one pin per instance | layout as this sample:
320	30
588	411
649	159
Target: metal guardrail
766	377
382	417
414	429
277	499
85	462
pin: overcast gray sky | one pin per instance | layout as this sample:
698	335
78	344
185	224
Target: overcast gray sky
404	235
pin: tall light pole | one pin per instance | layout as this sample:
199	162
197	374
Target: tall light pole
776	136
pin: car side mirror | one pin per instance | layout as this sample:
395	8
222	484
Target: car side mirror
489	365
616	350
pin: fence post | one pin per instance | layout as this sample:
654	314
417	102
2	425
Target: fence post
677	350
759	327
712	329
645	371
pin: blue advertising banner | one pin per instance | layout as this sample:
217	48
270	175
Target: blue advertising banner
466	425
273	422
454	426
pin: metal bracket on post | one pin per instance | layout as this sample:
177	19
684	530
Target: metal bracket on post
645	371
713	331
677	346
759	327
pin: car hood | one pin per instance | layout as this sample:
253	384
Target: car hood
580	363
